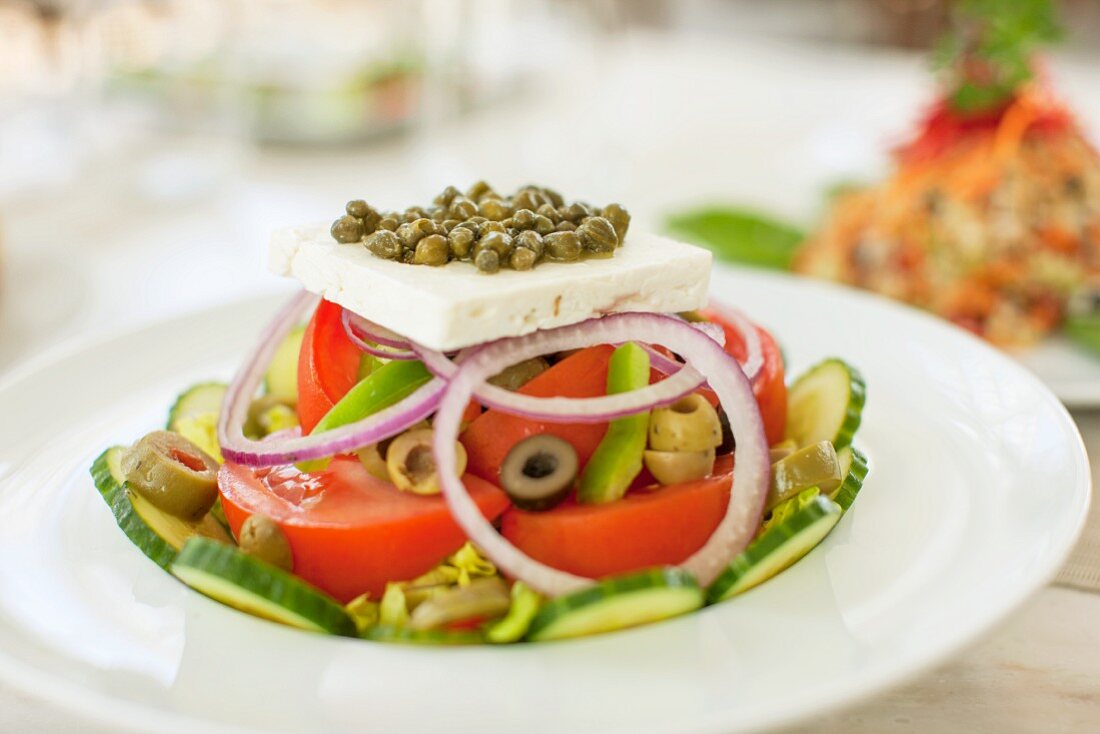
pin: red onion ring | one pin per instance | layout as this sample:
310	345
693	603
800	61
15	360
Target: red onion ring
365	346
240	449
754	350
377	333
751	465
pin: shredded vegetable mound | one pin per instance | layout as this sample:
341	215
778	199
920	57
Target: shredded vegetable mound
991	221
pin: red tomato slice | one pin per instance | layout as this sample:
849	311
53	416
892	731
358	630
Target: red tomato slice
644	529
351	533
490	437
328	365
770	387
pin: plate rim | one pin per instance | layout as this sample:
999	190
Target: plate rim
103	710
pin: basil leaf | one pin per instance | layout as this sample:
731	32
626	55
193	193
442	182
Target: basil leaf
740	236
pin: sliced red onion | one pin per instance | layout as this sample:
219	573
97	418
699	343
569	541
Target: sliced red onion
754	351
366	346
561	409
751	466
238	448
377	333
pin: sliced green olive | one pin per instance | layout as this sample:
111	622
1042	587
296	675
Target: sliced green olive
518	375
373	461
538	472
411	466
261	537
783	449
484	598
816	465
675	467
172	473
689	424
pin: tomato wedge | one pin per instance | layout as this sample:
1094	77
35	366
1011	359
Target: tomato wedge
646	528
351	533
328	365
490	437
770	387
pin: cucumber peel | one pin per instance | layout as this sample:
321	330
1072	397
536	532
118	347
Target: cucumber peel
826	404
618	457
250	585
389	633
197	400
780	546
618	603
156	533
854	465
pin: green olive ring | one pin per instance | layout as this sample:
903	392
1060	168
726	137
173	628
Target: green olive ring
262	538
172	473
689	424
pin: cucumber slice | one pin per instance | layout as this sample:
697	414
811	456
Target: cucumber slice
854	465
618	603
243	582
826	404
157	534
404	635
281	379
203	398
778	548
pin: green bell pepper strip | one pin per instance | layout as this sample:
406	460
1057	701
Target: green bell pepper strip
386	385
618	458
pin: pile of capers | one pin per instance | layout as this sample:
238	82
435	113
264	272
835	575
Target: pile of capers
490	230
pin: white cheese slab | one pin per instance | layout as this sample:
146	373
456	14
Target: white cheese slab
455	306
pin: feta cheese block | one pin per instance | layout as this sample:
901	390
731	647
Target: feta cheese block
452	306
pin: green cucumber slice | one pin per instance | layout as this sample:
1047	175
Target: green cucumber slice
156	534
618	603
854	465
826	404
404	635
780	547
281	379
196	400
243	582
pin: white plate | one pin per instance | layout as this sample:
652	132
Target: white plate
978	486
1071	372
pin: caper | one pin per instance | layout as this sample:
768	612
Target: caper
538	472
689	424
410	463
565	226
549	211
415	212
472	226
487	260
494	209
575	212
484	598
446	196
487	227
522	259
598	235
408	255
552	196
677	467
544	225
530	240
347	229
449	224
432	250
462	208
524	218
385	244
388	223
519	374
358	208
438	215
262	538
562	246
478	189
500	242
172	473
462	241
529	198
619	218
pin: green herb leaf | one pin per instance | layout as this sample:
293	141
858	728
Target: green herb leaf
1084	331
740	236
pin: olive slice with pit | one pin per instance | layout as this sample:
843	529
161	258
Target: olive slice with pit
172	473
538	472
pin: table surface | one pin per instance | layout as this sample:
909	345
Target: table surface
185	222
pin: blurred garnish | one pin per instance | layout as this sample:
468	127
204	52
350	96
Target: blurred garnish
988	55
739	236
1084	330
